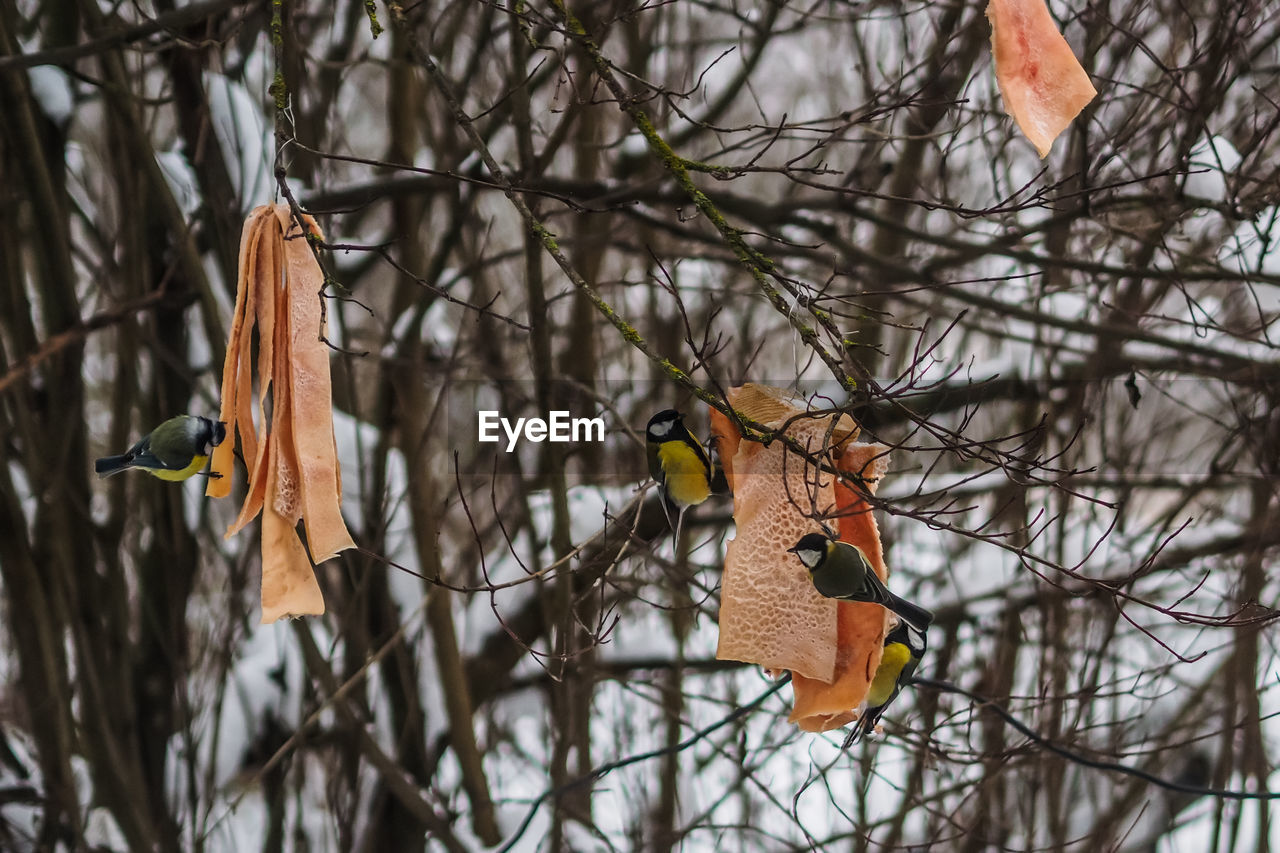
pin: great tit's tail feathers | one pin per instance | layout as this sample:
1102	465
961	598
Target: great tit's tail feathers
108	465
913	614
864	724
668	506
917	616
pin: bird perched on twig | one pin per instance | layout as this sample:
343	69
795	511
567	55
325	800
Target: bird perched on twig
903	649
175	450
841	570
679	465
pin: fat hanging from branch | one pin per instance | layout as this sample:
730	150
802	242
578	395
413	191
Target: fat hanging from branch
770	613
291	456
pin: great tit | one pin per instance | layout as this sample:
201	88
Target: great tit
175	450
840	570
903	649
679	464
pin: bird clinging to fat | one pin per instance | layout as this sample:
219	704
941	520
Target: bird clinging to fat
177	449
679	464
903	649
841	570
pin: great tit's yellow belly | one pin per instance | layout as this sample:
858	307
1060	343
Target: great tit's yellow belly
896	656
197	462
684	473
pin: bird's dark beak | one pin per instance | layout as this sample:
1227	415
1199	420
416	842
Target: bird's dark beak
793	549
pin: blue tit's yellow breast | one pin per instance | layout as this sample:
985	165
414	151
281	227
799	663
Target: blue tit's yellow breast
685	475
197	462
896	656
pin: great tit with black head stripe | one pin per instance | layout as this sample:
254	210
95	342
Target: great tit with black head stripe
679	464
177	449
841	570
903	649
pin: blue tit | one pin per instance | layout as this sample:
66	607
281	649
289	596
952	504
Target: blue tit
175	450
903	649
841	570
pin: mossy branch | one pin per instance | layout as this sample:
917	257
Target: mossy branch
748	428
371	10
761	267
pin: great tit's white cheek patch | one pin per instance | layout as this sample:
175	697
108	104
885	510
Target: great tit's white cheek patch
809	558
661	430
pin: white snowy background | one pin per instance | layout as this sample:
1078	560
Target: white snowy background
1094	533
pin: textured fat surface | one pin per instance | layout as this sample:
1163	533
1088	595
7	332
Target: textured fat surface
289	586
262	295
224	454
284	492
315	463
831	647
1040	79
823	705
770	614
